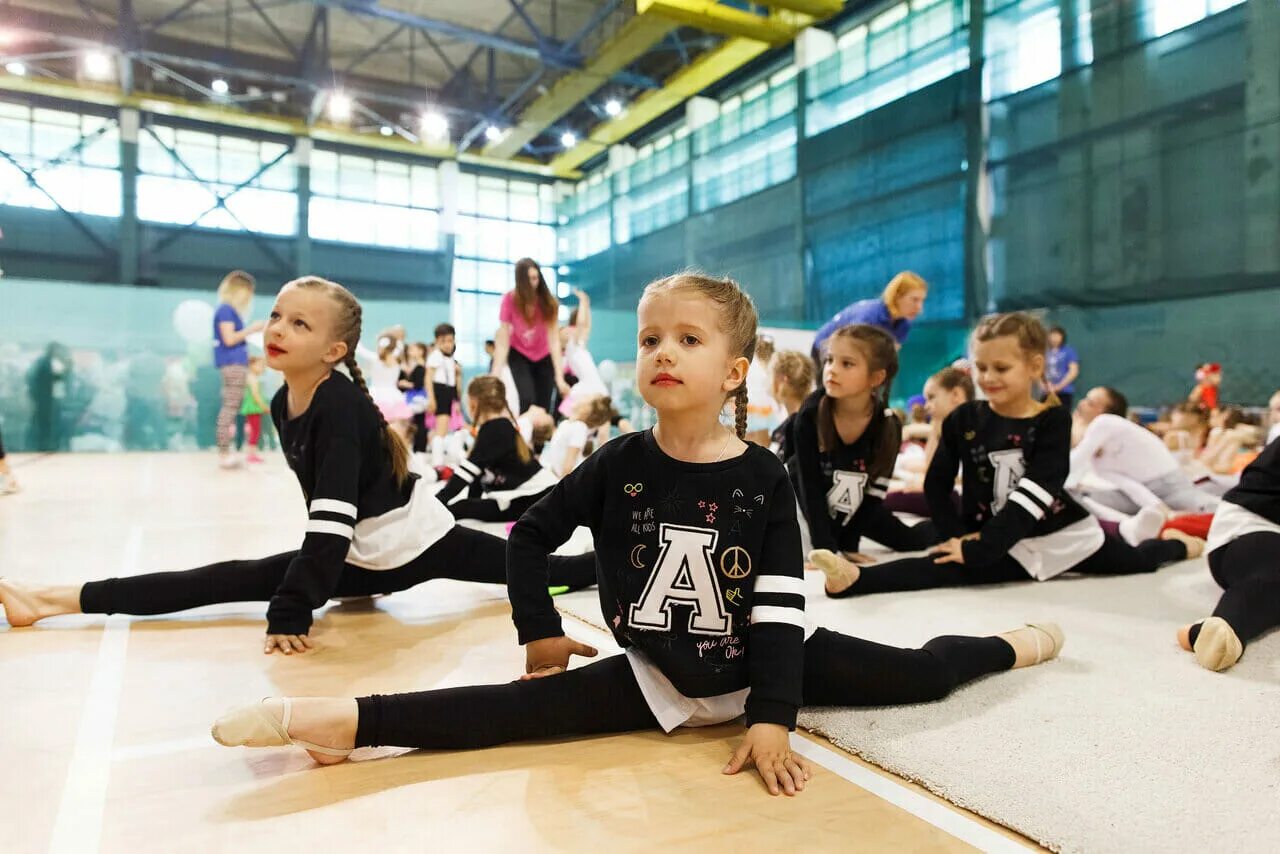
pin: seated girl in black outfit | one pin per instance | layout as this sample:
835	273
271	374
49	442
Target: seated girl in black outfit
501	476
698	558
373	527
1016	521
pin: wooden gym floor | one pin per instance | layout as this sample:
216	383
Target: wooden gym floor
107	718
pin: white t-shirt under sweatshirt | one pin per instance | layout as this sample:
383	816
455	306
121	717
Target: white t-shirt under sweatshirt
570	434
1112	445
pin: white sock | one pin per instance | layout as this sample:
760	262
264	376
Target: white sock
1145	525
437	451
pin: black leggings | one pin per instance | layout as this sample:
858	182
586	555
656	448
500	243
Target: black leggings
890	531
489	510
603	697
1248	571
463	554
1116	557
535	381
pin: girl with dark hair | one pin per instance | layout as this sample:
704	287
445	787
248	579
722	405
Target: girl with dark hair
528	340
846	443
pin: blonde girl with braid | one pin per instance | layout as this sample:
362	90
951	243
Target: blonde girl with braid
500	478
373	527
700	581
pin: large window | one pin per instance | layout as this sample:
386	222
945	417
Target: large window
585	219
749	147
655	188
376	202
499	222
904	48
73	158
1023	45
183	175
1165	16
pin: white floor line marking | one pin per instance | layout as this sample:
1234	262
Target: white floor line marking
78	825
926	809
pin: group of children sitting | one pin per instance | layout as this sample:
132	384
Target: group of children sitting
700	539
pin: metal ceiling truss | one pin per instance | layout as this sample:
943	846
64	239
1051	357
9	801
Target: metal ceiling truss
304	73
107	251
220	203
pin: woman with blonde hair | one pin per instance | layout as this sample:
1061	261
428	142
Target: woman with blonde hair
893	311
231	354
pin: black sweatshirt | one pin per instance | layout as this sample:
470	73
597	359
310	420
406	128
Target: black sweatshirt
780	439
494	463
838	488
1014	471
336	450
699	568
1259	488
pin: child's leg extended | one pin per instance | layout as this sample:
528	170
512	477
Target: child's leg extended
152	593
840	670
599	698
923	573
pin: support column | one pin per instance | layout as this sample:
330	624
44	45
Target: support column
1262	137
698	112
302	147
812	46
1126	240
977	190
128	227
447	175
1075	163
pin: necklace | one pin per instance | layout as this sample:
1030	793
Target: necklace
725	448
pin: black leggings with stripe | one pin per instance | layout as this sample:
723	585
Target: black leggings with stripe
1116	557
603	697
462	554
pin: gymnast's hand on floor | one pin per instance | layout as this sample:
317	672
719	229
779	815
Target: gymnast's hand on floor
550	656
288	644
952	551
769	747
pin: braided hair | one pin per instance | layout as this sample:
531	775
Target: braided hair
738	320
347	327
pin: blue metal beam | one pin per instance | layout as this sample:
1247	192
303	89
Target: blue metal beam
528	22
547	52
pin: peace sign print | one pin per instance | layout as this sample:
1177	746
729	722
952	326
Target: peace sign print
735	562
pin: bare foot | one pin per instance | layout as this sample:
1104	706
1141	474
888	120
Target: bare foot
324	721
1195	545
25	605
1034	643
841	574
1184	637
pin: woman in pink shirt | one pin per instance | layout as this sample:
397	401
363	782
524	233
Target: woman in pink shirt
528	341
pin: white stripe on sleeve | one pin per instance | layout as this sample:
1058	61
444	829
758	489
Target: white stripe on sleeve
777	614
332	505
1036	491
1027	504
321	526
779	584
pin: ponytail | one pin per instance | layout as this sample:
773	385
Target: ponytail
397	450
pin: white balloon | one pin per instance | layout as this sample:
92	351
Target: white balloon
193	321
608	370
